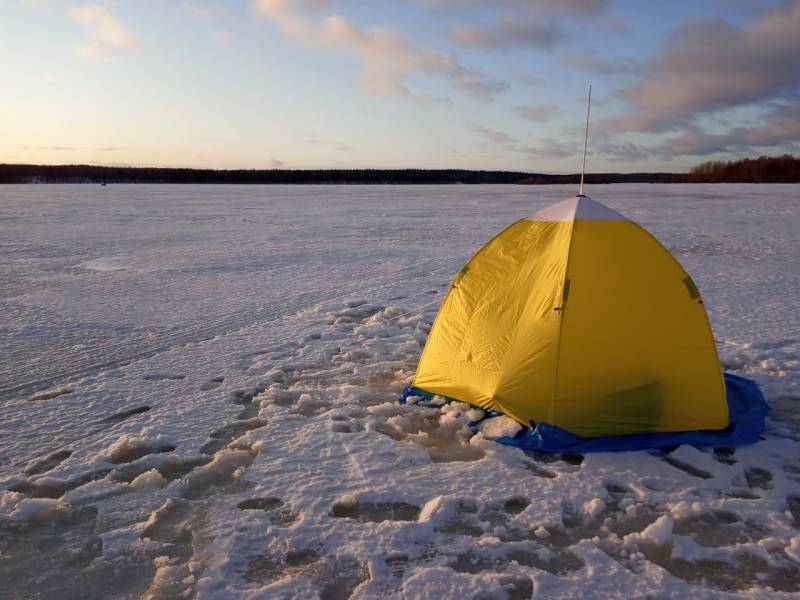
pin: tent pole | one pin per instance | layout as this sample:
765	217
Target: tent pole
585	139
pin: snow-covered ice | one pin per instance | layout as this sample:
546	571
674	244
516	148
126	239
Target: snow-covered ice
198	390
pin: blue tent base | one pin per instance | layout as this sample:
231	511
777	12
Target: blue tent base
746	406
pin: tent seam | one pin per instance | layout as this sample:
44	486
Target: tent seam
561	314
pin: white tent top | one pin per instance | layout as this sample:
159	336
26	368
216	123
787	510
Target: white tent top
578	208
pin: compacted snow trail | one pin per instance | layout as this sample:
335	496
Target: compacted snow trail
200	390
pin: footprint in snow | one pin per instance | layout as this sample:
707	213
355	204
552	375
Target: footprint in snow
226	434
336	577
274	507
126	414
724	455
212	384
757	477
374	512
163	377
49	463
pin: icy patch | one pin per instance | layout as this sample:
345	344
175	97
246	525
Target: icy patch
106	264
240	437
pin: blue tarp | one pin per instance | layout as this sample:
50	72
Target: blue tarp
746	406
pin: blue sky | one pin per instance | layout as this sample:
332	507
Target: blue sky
398	83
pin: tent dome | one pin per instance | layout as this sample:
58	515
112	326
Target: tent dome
579	318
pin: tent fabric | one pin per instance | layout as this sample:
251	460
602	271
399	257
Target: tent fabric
746	407
578	318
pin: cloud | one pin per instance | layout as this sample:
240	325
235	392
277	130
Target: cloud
546	148
536	113
508	31
93	50
711	65
779	127
588	7
494	136
615	24
523	23
313	139
196	10
604	67
52	148
274	163
550	148
622	151
106	32
388	58
221	37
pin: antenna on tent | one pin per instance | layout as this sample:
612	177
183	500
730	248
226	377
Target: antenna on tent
585	139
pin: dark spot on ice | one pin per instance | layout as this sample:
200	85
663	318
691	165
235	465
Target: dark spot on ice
225	435
572	458
375	512
174	469
397	564
516	505
163	377
212	384
260	504
122	415
742	494
758	478
616	490
685	467
49	463
246	396
540	471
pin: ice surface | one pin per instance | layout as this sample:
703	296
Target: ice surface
198	391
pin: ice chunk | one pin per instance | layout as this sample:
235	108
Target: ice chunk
594	507
148	479
793	549
658	533
498	427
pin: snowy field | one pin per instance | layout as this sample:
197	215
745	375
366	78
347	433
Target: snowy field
198	400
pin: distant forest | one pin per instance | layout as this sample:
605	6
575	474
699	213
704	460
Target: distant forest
764	169
781	169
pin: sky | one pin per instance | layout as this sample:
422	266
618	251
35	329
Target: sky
473	84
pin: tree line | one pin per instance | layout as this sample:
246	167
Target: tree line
764	169
780	169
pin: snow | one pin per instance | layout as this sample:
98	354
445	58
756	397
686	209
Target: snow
199	384
659	532
498	427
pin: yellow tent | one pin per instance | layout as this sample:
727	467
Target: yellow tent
579	318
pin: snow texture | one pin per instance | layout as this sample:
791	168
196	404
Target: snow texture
198	387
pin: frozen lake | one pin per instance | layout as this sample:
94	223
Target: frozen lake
198	383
